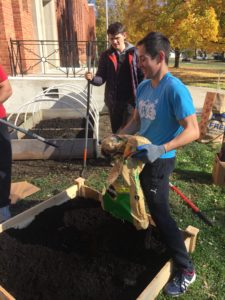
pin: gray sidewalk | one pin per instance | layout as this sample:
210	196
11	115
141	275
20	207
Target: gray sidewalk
198	95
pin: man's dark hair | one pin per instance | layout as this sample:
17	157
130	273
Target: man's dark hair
154	42
116	28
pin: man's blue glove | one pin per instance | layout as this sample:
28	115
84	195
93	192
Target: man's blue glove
149	152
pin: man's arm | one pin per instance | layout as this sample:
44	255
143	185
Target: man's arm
189	134
133	125
100	77
5	90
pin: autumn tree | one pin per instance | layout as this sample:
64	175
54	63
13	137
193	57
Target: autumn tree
117	10
187	23
141	18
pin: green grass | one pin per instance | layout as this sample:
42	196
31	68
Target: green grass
208	73
201	64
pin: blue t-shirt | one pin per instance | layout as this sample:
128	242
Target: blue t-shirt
161	108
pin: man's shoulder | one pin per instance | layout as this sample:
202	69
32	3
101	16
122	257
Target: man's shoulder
108	52
130	47
173	81
175	86
143	84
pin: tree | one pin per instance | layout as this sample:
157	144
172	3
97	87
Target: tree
141	17
117	10
187	23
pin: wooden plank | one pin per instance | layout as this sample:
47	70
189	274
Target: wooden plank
4	295
25	218
88	192
193	231
67	148
159	281
155	286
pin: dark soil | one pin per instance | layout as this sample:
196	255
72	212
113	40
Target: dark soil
59	128
76	251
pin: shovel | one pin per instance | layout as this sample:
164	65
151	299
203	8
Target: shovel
33	135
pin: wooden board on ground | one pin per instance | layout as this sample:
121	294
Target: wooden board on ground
80	189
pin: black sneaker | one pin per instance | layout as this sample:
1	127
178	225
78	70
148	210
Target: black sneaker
179	283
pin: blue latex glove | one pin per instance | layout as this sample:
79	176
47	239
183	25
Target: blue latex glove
149	152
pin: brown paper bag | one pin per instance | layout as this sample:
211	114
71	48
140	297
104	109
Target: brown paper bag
123	196
21	190
212	124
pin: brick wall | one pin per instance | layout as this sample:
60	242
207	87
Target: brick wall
16	23
75	18
76	22
6	31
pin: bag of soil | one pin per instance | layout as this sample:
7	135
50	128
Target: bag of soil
212	123
123	196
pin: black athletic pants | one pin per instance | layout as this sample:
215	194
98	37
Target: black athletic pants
155	184
5	165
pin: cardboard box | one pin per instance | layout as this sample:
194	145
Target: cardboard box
218	171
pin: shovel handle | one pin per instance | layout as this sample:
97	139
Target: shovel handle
33	135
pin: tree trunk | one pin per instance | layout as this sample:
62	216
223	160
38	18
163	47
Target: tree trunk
177	58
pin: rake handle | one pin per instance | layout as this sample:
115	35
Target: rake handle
191	204
33	135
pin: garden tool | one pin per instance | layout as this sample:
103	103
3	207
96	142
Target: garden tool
191	204
88	109
33	135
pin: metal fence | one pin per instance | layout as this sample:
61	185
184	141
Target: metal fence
53	58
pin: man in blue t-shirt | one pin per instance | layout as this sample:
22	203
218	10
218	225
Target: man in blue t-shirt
166	116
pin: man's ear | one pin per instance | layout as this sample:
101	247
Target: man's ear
161	56
125	35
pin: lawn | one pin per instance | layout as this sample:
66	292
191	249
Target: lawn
208	73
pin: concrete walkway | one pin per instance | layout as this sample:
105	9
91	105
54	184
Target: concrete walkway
199	93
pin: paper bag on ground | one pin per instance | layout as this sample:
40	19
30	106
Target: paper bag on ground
123	196
212	123
21	190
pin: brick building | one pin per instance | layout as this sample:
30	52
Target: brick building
45	20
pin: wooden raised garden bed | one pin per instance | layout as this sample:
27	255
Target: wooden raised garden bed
63	127
61	249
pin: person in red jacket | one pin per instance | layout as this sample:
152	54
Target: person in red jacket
118	69
5	150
